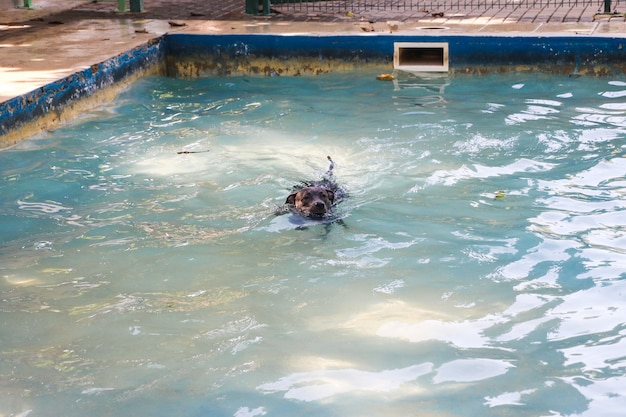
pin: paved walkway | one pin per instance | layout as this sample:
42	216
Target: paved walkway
307	12
59	37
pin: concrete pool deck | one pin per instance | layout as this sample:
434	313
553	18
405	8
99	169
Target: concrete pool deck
60	37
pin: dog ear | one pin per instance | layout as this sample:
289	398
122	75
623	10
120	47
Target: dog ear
291	199
331	196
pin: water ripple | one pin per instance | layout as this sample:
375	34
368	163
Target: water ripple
49	207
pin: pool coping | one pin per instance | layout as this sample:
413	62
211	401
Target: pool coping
51	104
265	54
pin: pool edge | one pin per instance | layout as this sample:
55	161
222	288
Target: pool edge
191	55
54	103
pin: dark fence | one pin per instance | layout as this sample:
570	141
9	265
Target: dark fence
423	5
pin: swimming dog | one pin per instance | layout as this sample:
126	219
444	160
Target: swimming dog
315	199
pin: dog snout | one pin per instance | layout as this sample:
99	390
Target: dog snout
319	207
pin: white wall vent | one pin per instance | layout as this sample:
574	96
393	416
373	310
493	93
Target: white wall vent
420	56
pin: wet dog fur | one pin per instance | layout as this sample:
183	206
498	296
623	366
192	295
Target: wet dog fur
315	199
312	201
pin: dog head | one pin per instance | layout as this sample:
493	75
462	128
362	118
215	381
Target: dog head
312	201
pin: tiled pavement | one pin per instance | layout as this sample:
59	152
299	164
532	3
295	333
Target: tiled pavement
558	12
59	37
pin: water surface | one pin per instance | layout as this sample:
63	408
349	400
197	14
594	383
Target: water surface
478	267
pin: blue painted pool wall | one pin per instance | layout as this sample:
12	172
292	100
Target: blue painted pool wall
463	50
58	95
590	55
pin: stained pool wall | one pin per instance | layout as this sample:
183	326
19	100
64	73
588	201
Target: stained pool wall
185	55
198	55
47	106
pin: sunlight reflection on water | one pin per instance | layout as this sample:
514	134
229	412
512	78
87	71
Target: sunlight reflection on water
475	268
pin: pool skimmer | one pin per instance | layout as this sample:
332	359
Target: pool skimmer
420	56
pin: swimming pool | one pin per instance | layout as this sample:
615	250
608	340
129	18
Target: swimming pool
477	270
190	56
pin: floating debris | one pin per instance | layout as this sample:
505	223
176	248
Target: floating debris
188	152
385	77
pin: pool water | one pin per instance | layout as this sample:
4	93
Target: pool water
476	267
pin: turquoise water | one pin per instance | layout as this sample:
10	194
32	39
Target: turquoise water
477	270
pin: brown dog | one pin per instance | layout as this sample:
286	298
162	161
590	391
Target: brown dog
315	198
313	201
